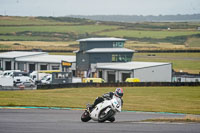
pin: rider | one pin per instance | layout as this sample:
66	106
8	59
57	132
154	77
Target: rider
118	93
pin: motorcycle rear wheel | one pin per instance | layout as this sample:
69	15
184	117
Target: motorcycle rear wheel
105	117
85	117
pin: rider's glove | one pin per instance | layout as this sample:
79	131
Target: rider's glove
107	96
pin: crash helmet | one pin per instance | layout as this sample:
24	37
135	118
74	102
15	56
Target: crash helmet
119	92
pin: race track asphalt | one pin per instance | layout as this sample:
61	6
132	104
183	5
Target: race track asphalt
68	121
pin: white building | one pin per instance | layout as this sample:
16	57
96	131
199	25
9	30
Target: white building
145	71
8	59
33	61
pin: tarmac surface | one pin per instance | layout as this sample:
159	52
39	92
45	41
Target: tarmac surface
68	121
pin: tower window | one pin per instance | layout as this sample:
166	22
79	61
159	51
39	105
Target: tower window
118	44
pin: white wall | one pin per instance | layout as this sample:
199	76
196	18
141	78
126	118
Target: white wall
161	73
6	81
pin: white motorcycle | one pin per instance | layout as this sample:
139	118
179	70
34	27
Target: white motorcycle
103	111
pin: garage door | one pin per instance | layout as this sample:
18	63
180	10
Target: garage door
111	77
8	65
125	76
31	67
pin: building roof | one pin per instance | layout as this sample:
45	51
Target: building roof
48	58
101	39
108	50
128	65
17	54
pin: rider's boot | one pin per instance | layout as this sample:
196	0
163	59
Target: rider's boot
112	119
90	107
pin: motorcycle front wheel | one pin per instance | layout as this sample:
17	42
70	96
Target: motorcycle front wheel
85	117
105	116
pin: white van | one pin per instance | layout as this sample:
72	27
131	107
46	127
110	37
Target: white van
39	75
6	81
9	73
46	79
22	79
36	76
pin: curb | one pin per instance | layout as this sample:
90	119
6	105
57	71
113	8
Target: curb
60	108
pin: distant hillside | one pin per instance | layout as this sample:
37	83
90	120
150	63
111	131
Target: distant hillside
135	18
25	33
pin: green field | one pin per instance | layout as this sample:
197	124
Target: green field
187	62
193	42
149	33
60	29
30	21
27	38
156	99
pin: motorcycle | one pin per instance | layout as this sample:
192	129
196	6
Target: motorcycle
103	111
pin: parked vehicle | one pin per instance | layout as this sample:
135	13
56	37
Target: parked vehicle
25	84
20	74
6	81
37	75
22	79
93	80
76	80
132	80
9	73
46	79
103	111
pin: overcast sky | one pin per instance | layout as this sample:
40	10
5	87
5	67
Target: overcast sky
98	7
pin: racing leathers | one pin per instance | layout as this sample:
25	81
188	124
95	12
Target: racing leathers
107	96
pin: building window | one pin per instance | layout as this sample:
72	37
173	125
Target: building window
62	75
43	67
59	76
114	57
118	44
55	67
100	74
121	58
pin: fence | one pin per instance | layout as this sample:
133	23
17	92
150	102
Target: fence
77	85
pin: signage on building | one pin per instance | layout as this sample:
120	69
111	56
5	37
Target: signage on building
66	64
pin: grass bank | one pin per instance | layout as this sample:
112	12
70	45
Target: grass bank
156	99
187	118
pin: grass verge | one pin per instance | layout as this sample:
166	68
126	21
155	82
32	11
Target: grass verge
153	99
187	118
